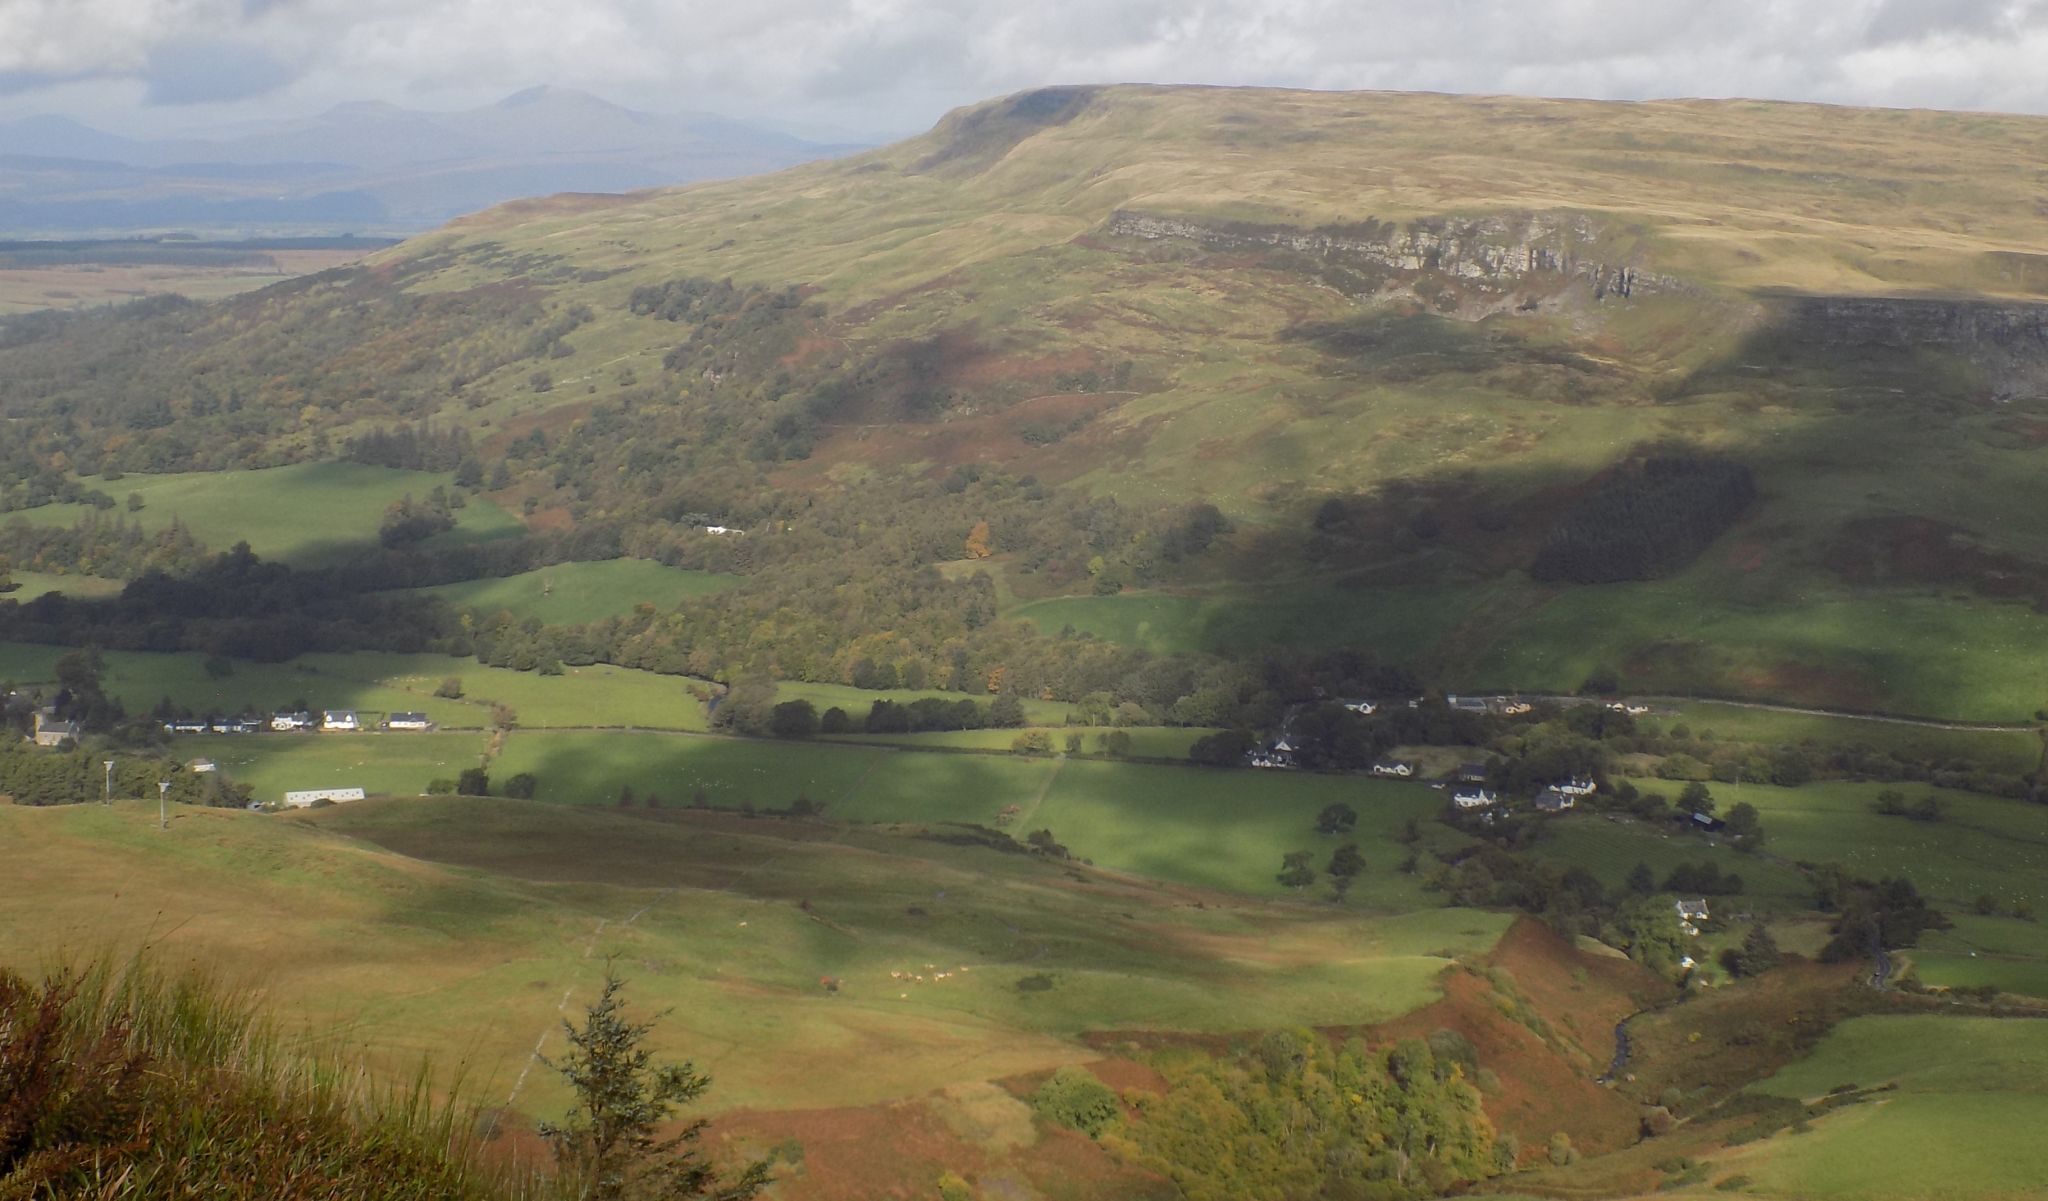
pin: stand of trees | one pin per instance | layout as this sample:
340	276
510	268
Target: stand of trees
1645	521
1297	1117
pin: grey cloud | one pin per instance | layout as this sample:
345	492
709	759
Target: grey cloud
1911	20
211	71
14	82
897	63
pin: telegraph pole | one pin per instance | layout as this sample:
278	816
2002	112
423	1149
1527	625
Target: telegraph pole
163	812
107	797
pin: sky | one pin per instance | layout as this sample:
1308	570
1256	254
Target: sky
875	68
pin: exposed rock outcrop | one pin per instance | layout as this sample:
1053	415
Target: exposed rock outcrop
2007	339
1499	255
1903	322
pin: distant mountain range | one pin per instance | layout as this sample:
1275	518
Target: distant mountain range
366	166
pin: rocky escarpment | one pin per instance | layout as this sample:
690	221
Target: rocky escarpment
1494	256
2008	340
1905	322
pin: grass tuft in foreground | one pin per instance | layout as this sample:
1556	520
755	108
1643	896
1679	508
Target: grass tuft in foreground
129	1083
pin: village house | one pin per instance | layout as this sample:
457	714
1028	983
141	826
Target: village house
287	722
340	721
1576	787
306	798
1474	798
1472	773
1365	708
186	725
51	732
1469	704
202	766
408	721
1399	769
1554	800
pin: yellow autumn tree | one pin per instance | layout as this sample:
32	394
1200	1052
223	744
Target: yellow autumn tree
977	541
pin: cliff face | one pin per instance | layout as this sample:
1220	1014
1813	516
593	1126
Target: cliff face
2006	340
1492	255
1906	322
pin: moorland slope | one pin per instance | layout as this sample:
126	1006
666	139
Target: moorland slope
1424	353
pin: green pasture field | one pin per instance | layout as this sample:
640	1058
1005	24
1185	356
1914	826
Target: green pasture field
904	786
575	593
1964	1123
1231	829
579	698
491	910
1998	950
2015	751
1899	651
32	584
1985	845
305	514
857	701
377	683
1147	742
591	768
1208	827
139	679
397	764
1611	848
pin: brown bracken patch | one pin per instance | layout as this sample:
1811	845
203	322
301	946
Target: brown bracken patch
1918	550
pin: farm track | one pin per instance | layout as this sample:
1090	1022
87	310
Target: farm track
1925	723
1024	815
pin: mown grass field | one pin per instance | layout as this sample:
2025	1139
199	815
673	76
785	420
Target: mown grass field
491	909
575	593
1963	1123
306	514
2015	751
396	764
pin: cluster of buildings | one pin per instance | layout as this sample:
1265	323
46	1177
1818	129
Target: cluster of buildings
329	721
1472	795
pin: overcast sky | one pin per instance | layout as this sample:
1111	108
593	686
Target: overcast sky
893	66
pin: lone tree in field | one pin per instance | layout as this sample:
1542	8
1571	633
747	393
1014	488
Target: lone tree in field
1337	818
609	1147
